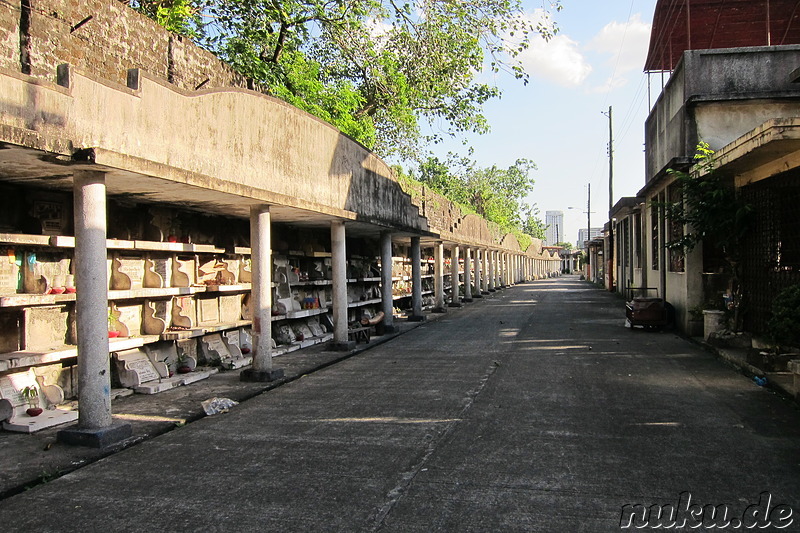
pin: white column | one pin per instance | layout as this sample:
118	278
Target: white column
416	282
467	274
339	271
95	425
438	277
479	275
455	300
261	294
91	300
492	271
485	269
386	282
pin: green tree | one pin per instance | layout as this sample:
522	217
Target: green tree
710	211
374	68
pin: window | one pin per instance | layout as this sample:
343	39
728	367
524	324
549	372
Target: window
677	257
654	238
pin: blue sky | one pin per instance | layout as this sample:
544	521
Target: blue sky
557	120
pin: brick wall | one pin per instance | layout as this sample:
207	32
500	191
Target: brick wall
116	39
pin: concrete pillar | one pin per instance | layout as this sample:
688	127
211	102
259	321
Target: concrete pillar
492	271
479	275
485	271
455	300
467	274
438	278
261	294
386	282
95	426
339	268
416	282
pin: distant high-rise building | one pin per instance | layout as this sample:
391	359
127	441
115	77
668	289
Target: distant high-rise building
554	220
595	232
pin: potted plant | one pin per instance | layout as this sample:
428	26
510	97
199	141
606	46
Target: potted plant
182	366
112	321
31	395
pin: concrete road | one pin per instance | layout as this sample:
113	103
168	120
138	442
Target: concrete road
531	410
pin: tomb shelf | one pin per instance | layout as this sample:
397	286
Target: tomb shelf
27	358
66	241
242	287
297	345
201	330
428	275
408	295
364	280
25	300
302	313
22	238
312	282
363	303
131	294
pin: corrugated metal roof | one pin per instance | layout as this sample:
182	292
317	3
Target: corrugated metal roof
680	25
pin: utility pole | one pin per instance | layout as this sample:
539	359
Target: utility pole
610	159
588	229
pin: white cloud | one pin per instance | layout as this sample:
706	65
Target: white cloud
558	60
626	44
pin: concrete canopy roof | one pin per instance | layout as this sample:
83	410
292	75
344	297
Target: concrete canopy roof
680	25
765	151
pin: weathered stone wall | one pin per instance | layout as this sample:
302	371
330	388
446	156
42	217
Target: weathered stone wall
116	39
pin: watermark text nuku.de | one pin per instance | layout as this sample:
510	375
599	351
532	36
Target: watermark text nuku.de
689	514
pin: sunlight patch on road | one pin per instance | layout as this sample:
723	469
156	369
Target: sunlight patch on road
150	418
509	332
391	420
670	424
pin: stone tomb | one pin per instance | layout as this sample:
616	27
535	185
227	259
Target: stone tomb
224	349
233	339
14	406
147	372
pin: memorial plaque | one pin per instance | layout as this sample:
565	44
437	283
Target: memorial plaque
183	311
215	349
135	368
230	308
127	273
208	311
129	320
158	272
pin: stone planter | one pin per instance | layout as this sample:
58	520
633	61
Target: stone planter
713	321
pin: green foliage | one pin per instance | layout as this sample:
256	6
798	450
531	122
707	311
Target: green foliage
494	193
784	325
178	16
375	69
709	208
566	245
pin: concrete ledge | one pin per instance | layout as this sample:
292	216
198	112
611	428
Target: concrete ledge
251	375
96	438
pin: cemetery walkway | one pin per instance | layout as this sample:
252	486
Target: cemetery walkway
531	410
